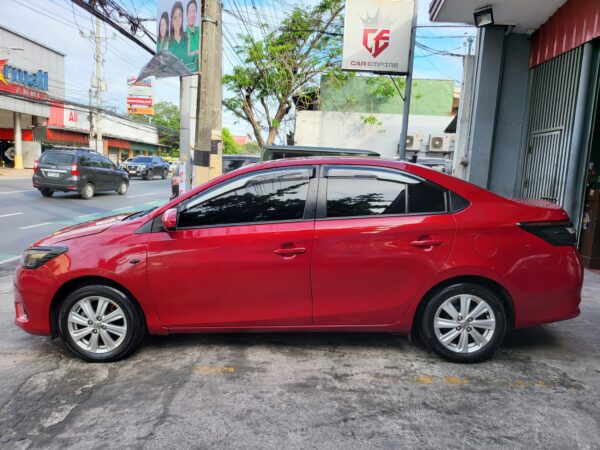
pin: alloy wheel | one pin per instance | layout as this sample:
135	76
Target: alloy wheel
97	324
464	323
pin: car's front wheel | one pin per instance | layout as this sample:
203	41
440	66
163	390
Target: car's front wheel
464	323
164	174
100	323
149	175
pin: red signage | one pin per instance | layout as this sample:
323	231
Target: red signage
143	101
8	76
378	43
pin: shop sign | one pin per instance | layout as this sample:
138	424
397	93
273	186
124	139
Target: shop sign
23	83
377	35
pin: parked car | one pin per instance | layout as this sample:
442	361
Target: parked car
233	162
147	167
81	171
273	152
328	244
172	166
123	164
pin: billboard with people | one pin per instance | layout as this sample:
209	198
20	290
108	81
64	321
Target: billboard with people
178	31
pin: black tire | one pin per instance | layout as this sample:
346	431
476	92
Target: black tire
149	175
428	334
122	189
136	325
47	192
164	174
88	191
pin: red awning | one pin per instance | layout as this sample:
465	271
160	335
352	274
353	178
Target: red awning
8	134
119	143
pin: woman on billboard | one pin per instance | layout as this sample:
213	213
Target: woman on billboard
193	36
163	33
178	42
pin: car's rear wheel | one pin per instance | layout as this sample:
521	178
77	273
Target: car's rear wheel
88	191
149	175
100	324
464	323
47	192
122	189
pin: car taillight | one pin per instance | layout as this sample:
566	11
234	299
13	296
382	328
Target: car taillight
555	233
74	170
35	166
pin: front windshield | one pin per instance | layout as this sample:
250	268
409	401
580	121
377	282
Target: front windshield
142	159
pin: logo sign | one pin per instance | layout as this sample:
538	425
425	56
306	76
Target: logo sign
376	40
140	97
24	83
377	35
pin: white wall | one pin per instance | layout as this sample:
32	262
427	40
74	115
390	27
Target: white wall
348	130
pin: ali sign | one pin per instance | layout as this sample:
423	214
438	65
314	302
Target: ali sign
377	35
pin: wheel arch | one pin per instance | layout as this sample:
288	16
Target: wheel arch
492	285
76	283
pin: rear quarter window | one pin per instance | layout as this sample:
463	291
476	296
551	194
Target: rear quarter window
58	158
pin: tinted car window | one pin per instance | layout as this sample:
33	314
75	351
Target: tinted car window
95	161
266	197
426	198
365	192
141	159
232	164
85	161
106	163
58	158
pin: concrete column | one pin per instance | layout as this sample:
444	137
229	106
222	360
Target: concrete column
488	75
18	142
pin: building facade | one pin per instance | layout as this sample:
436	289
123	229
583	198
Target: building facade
34	114
533	127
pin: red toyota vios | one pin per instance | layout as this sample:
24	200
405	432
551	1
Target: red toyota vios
308	245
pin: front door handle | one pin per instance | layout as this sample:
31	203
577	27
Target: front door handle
425	243
287	252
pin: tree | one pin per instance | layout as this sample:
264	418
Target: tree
230	147
166	117
283	65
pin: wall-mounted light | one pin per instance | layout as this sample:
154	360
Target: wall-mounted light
484	16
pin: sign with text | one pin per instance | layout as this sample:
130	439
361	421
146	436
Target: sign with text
377	35
140	96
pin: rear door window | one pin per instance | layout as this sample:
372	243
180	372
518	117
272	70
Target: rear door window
58	158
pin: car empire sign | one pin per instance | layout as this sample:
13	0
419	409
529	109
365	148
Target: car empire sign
377	35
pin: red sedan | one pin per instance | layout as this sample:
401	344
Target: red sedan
308	245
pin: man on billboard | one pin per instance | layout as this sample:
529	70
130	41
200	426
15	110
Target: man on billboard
193	35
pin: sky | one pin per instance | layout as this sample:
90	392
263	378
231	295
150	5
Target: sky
60	25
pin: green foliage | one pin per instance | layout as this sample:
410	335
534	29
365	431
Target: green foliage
166	117
287	62
230	147
251	148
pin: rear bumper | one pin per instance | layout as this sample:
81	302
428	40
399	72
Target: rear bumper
548	294
67	184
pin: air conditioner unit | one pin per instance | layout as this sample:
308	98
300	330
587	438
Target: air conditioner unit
439	143
413	142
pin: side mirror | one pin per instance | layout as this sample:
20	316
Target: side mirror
169	219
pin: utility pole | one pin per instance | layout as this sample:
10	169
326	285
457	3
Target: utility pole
91	119
208	142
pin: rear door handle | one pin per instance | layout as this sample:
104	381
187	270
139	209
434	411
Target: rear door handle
424	243
290	251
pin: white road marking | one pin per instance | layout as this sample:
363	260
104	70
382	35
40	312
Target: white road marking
11	214
141	195
9	260
16	192
124	208
36	225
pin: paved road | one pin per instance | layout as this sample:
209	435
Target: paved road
325	391
26	216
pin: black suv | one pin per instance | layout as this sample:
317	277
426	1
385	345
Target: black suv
80	171
147	167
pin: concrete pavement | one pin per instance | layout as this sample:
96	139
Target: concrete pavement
330	391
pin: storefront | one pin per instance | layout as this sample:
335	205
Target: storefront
534	127
34	115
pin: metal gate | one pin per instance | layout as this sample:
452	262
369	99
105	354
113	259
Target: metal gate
553	101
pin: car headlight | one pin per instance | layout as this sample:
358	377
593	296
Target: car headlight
35	257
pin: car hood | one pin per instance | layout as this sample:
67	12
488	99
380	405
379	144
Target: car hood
80	230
